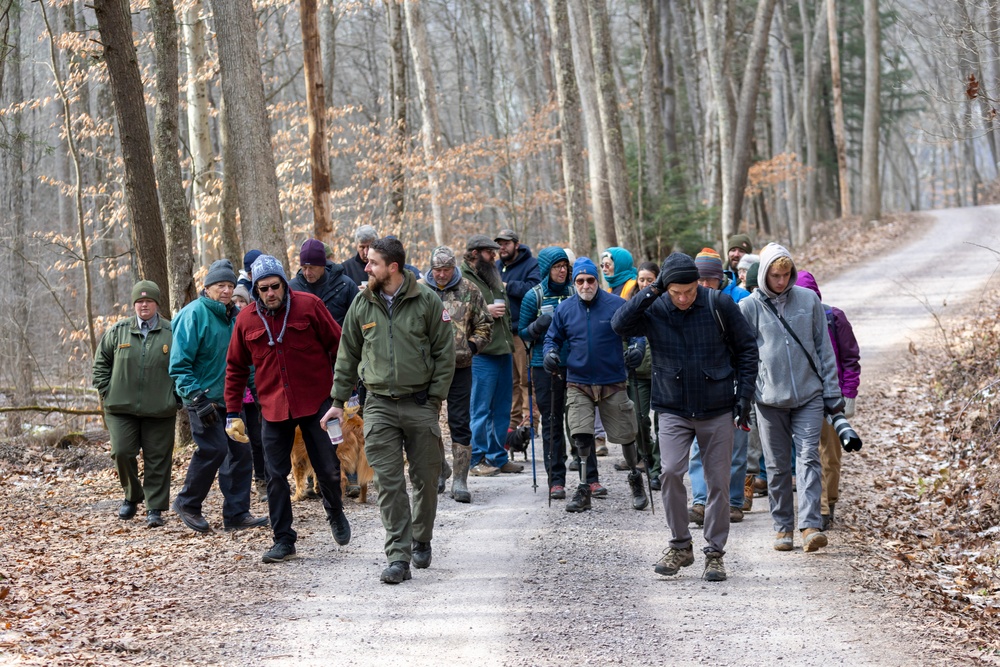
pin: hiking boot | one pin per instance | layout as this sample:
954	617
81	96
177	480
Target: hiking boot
511	467
580	501
673	560
600	447
397	572
340	527
484	469
127	510
279	553
574	465
460	455
421	554
557	492
194	521
748	493
639	499
714	569
783	542
154	519
598	491
735	515
813	539
759	487
696	515
654	483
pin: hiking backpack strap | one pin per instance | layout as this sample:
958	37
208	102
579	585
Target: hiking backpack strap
812	364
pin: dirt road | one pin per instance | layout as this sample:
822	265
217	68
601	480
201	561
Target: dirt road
515	582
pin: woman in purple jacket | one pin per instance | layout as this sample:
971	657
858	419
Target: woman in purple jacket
845	348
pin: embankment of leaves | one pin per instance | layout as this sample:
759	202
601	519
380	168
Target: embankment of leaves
924	495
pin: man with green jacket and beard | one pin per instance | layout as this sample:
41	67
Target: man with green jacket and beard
398	340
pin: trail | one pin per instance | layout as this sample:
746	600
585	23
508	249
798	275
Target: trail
515	582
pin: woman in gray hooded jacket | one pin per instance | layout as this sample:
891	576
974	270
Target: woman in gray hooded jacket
796	386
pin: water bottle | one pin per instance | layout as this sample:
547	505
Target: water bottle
335	432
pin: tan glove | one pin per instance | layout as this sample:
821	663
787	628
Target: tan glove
236	430
849	407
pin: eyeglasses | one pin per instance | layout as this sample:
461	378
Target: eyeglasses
273	287
586	281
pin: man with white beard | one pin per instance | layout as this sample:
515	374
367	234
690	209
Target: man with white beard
596	375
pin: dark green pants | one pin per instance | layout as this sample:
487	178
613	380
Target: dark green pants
392	428
154	436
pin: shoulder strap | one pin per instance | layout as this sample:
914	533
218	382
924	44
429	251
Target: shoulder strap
537	289
812	364
715	314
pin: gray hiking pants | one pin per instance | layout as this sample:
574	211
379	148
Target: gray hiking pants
715	439
779	429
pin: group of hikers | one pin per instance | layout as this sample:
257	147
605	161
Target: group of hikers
737	359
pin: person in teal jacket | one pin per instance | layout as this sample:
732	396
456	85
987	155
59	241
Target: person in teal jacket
130	374
202	330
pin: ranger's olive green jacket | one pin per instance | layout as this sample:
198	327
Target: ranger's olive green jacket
130	373
398	355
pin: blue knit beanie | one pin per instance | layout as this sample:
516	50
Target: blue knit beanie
584	266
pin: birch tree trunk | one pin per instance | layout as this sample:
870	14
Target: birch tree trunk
840	140
115	25
416	30
397	100
250	139
319	152
574	170
871	192
611	128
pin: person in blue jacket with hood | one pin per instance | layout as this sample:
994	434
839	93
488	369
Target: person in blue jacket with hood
596	375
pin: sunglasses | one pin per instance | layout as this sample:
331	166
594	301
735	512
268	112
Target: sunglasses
586	281
264	289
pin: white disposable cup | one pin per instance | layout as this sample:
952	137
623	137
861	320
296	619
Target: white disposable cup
499	302
335	432
547	309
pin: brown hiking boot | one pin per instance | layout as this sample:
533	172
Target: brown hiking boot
673	560
715	570
783	542
735	515
813	539
759	487
696	515
748	492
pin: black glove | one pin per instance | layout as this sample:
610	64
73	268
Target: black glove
633	357
473	347
833	406
661	283
205	409
538	328
741	413
551	362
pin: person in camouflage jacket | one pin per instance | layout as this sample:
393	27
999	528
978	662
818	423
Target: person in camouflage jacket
473	326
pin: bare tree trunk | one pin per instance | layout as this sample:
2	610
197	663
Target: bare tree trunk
328	21
574	170
652	111
250	139
397	99
115	25
871	193
669	90
319	152
230	200
419	49
487	97
614	145
839	133
973	64
540	17
176	216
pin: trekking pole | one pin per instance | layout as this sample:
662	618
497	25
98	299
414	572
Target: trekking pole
531	427
644	445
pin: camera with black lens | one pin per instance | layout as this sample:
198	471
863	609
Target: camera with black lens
848	436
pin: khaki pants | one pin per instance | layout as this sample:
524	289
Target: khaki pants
519	400
830	453
617	414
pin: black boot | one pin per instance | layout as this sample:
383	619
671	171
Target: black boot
581	499
639	499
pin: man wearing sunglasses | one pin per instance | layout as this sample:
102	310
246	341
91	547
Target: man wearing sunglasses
595	376
291	341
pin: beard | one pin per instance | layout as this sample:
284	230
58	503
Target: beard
375	284
488	272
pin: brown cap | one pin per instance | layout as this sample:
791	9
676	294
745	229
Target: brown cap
506	235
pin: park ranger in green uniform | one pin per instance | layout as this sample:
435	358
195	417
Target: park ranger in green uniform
398	339
130	374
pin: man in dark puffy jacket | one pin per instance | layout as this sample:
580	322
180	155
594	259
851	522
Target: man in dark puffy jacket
697	392
596	375
519	273
324	279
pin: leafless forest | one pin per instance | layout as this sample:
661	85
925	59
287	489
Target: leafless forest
146	139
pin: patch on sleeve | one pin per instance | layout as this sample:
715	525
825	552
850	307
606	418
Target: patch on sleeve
445	315
166	349
122	346
366	327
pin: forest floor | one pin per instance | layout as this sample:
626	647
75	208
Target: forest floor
910	576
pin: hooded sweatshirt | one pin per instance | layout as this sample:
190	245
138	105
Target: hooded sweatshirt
785	378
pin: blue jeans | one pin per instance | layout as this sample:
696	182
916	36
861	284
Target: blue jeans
492	394
737	471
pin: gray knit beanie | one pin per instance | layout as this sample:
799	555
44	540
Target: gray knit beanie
221	271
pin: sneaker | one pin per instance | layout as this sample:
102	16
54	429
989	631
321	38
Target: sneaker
484	469
696	515
421	554
246	521
759	487
673	560
813	539
735	515
574	465
580	501
340	527
397	572
600	447
714	569
279	553
511	467
598	491
783	542
557	492
639	499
